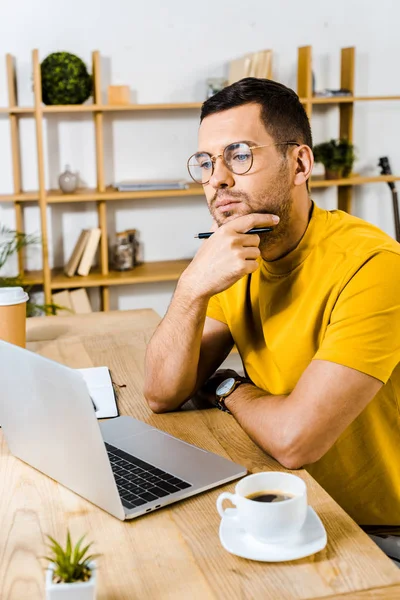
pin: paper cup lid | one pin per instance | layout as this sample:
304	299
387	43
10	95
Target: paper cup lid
12	295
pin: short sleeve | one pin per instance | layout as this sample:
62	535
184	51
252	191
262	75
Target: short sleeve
214	309
364	329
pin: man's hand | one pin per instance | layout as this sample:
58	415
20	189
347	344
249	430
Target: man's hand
205	396
228	255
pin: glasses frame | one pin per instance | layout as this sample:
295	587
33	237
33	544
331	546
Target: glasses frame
221	155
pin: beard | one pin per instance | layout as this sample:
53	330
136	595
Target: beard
274	200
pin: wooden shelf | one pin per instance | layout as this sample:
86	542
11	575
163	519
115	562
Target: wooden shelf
92	195
87	195
91	108
33	277
316	182
120	108
96	110
346	99
18	110
22	197
150	272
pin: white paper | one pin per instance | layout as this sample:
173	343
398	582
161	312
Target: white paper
98	381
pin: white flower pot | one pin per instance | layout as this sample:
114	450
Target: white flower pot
80	590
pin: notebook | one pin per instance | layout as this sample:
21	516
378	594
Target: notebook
101	390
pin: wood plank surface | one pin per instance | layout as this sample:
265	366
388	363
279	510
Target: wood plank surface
174	552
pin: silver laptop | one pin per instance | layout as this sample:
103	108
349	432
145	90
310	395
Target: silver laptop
122	465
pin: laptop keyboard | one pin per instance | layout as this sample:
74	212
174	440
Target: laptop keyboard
139	482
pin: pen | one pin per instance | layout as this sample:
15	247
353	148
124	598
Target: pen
204	236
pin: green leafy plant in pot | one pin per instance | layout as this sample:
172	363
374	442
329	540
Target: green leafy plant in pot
337	156
71	572
12	242
65	79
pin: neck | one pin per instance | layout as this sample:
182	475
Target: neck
299	219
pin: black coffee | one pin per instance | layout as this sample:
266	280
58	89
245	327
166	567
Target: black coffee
273	496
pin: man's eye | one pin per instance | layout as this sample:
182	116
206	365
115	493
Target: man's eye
206	164
241	157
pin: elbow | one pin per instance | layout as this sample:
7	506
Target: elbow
290	461
297	453
157	407
156	404
161	403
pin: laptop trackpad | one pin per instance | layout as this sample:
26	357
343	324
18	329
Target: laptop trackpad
176	457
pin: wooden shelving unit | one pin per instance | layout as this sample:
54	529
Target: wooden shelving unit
155	271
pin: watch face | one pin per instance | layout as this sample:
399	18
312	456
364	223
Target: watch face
225	387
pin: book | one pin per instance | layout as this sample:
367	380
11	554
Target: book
264	69
63	300
101	390
89	251
239	68
80	301
76	255
151	184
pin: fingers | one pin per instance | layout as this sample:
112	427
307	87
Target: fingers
251	221
251	253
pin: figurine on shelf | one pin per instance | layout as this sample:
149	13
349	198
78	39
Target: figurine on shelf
68	181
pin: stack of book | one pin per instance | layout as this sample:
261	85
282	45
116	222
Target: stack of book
257	64
148	185
72	302
83	254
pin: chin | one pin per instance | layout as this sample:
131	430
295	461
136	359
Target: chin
227	216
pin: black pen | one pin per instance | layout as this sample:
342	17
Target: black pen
204	236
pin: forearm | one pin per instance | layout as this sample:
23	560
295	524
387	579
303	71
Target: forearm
269	421
172	355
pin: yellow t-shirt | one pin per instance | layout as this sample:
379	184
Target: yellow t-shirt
336	297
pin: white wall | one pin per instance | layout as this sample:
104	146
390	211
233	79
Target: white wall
165	51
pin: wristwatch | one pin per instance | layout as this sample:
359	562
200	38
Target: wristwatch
226	388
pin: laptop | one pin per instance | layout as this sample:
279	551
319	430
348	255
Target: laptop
122	465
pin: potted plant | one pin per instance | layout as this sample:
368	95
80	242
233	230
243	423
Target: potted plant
337	156
71	573
12	242
65	79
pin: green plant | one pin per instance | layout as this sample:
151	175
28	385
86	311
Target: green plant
11	242
337	156
71	564
65	79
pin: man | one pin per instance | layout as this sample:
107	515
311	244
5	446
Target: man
313	307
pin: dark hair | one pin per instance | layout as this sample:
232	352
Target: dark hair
281	110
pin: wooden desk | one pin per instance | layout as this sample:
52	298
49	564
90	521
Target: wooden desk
174	552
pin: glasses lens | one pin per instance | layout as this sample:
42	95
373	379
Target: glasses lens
238	158
200	167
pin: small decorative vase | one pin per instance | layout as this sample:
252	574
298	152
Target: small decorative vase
68	181
80	590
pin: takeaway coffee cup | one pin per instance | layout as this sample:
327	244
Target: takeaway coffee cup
270	506
13	315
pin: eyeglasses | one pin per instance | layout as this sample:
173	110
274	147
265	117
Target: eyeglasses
238	158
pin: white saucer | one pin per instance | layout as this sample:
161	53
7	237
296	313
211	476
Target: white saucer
310	539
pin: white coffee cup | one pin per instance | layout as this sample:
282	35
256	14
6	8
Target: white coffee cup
270	522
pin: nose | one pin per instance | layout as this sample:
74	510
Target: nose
222	177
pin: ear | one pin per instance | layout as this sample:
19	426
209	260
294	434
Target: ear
304	164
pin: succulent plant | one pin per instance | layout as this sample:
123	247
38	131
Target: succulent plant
71	564
65	79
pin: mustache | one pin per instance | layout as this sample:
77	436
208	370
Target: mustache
221	195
